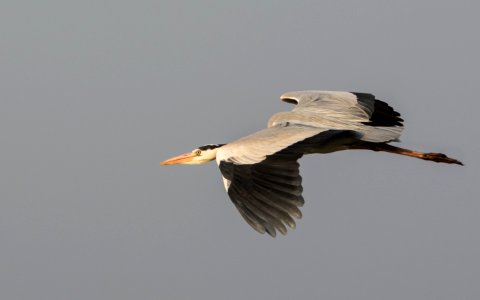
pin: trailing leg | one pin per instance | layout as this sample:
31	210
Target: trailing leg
384	147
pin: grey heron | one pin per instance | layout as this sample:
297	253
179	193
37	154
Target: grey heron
260	171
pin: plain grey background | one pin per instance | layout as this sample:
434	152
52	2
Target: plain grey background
94	94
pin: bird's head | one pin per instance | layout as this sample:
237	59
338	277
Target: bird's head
197	156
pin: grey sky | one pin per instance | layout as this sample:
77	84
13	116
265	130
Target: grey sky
96	93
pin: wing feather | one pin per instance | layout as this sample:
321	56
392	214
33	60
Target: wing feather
268	206
256	147
266	187
360	112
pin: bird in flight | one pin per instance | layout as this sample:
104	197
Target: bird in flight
261	171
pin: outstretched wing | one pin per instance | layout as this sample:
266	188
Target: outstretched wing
268	194
339	106
261	173
375	119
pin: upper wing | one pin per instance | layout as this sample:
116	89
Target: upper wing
361	112
354	107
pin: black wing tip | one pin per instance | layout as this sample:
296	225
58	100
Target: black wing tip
383	114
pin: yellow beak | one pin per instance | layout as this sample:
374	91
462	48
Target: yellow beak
180	159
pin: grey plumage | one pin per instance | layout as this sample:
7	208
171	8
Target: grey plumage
261	171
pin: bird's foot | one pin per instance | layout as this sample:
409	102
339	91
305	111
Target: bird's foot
440	158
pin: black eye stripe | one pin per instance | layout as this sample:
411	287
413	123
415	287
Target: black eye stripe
210	146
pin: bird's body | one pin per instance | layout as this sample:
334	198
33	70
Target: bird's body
260	171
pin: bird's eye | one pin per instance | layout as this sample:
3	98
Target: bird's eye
198	152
